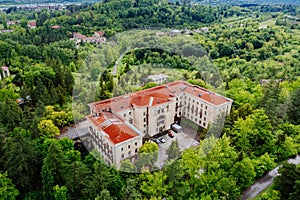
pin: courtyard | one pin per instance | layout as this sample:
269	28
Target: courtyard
187	138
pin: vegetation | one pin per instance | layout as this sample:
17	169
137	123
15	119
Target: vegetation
241	54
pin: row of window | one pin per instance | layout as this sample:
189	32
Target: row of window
129	113
129	153
129	146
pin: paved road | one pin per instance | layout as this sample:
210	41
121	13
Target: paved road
114	72
265	181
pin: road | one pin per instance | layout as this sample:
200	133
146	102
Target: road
114	72
265	181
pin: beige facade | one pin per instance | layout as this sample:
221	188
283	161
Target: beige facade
118	125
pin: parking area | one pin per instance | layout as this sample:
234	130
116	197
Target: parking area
187	138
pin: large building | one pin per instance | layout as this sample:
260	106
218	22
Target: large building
117	125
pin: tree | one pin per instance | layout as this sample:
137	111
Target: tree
104	195
55	164
254	134
60	193
7	189
147	155
244	172
20	160
173	151
47	129
103	178
127	166
153	184
77	178
47	181
263	164
289	178
129	190
294	107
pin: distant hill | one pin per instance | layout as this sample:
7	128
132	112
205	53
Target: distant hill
241	2
18	2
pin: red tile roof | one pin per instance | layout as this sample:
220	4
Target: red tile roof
114	127
31	23
160	95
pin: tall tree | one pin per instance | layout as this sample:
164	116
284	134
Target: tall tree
289	178
20	159
173	151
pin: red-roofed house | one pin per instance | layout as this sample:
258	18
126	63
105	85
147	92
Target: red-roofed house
126	119
32	24
97	38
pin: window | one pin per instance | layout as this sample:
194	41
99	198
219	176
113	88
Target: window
124	115
204	119
144	119
144	131
160	121
136	144
200	122
144	125
136	150
144	113
180	97
129	152
158	111
204	124
122	156
128	146
193	101
197	103
204	112
162	110
129	113
122	149
205	107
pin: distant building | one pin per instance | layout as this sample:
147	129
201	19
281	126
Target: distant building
118	125
174	32
4	72
31	24
6	31
55	27
204	29
9	23
158	78
160	33
96	38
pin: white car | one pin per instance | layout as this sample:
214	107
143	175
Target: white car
162	140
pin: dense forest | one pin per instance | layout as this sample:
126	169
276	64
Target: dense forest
255	49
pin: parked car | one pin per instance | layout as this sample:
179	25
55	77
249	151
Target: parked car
162	140
170	134
157	141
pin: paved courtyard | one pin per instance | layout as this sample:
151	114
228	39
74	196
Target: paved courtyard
187	138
